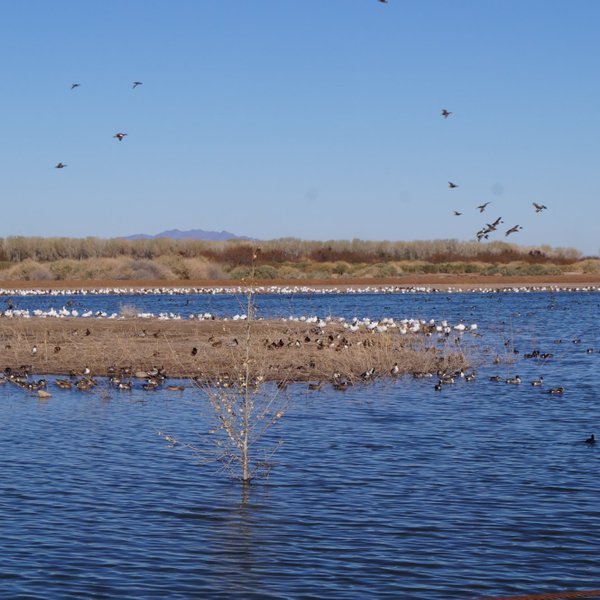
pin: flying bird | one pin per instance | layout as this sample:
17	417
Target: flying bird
514	229
452	185
119	136
446	113
457	214
383	1
135	84
60	166
481	207
74	85
539	207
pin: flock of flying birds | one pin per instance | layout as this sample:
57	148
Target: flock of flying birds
484	232
119	135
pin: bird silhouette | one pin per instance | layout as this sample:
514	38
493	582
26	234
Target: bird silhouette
481	207
75	85
539	207
457	214
452	185
60	166
445	113
591	440
383	1
135	84
119	136
514	229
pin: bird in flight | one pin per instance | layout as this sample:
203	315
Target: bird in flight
135	84
383	1
74	85
481	207
457	214
513	230
539	207
60	166
452	185
446	113
119	136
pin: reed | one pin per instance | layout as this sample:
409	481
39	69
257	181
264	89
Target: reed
285	351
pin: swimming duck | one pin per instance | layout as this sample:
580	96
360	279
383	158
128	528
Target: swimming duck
514	380
591	440
557	391
538	382
496	378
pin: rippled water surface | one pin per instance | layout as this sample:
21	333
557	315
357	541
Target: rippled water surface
391	490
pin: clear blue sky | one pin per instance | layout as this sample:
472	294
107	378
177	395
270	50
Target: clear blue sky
317	119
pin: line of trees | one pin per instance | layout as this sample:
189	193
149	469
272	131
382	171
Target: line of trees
16	249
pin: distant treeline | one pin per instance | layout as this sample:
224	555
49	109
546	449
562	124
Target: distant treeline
37	258
286	250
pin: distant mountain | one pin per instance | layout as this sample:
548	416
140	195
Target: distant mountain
190	234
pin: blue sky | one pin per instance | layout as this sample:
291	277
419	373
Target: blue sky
317	119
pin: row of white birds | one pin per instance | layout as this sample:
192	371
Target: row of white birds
288	290
119	136
403	326
488	228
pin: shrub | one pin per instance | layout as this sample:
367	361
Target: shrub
28	270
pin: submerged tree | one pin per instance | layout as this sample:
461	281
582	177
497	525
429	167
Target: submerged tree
244	405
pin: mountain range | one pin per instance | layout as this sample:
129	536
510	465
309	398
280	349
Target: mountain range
190	234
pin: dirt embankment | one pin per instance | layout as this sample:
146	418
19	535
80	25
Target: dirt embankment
440	281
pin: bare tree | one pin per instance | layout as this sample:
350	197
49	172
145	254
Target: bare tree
244	406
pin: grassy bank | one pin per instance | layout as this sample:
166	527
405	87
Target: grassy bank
213	350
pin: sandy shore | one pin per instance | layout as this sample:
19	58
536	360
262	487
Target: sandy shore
436	281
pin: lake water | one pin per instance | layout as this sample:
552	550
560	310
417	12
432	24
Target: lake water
391	490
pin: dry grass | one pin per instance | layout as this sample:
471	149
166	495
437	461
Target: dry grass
279	351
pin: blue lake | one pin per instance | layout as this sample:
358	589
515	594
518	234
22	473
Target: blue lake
391	490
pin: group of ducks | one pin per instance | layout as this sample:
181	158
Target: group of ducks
488	228
120	379
118	136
